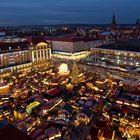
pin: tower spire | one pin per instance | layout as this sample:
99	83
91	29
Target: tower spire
137	23
114	23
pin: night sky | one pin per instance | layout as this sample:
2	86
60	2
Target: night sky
19	12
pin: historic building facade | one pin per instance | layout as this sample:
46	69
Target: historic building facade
40	52
16	55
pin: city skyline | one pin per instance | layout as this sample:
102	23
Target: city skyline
34	12
69	70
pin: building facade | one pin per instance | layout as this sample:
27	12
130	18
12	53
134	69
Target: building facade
13	54
40	52
72	48
73	44
116	57
14	58
16	55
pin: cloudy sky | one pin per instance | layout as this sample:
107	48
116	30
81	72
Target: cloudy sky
15	12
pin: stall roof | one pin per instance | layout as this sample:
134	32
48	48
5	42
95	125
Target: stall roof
54	91
9	132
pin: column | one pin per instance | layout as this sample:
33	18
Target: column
40	55
50	52
1	60
46	53
26	57
33	59
43	54
36	55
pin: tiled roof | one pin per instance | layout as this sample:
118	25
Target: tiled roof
126	47
11	47
14	45
54	91
71	39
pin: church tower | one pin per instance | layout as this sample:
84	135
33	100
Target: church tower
113	24
137	23
136	30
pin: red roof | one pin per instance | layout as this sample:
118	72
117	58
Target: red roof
135	93
54	91
71	39
108	133
102	36
38	39
101	124
35	39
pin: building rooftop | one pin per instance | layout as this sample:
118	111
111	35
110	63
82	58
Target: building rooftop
121	47
87	112
94	131
8	131
71	39
3	84
54	91
68	108
108	134
6	47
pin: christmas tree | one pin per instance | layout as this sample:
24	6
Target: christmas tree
74	74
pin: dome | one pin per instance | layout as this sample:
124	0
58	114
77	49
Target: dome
42	44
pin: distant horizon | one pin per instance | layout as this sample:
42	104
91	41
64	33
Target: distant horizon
49	24
63	24
48	12
67	24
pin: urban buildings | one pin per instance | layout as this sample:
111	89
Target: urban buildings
13	52
18	53
116	56
44	103
70	100
72	47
